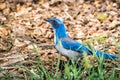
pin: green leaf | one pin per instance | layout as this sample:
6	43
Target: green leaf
102	16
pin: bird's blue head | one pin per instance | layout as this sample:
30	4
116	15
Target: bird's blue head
55	22
58	26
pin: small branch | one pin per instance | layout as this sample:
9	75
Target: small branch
45	45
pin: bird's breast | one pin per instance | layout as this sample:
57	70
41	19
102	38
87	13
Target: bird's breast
66	52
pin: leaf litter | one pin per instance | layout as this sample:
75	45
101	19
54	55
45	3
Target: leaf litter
21	24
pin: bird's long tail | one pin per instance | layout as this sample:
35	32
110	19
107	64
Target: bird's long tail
101	54
106	55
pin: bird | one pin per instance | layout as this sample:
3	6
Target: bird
70	48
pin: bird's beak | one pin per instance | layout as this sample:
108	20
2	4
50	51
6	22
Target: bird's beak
47	19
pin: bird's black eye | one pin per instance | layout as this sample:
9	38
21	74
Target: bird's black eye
55	23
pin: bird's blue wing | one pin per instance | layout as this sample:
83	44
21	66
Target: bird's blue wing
70	44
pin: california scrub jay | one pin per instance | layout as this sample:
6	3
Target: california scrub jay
67	46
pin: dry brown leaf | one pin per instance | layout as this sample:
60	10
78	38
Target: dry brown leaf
2	6
41	2
4	31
